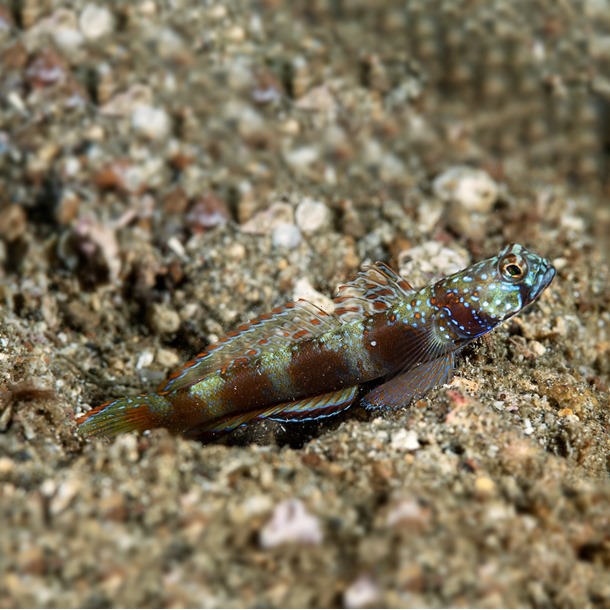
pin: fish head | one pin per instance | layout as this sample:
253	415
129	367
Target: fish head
477	299
516	278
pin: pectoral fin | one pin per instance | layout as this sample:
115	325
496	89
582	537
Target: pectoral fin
412	384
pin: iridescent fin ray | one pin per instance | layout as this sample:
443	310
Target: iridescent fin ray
425	345
283	325
412	384
316	407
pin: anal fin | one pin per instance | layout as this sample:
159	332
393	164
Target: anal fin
411	384
315	407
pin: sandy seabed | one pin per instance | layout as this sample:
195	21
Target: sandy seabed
169	170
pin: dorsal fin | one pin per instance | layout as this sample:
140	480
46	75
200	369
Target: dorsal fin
373	290
293	321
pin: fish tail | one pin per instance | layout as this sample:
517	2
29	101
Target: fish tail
127	414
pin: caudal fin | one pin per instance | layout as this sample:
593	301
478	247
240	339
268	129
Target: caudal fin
128	414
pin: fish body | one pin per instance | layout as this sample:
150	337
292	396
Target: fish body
299	362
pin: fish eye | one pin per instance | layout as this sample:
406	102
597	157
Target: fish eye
513	268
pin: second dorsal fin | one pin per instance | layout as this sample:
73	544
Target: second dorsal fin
374	289
294	321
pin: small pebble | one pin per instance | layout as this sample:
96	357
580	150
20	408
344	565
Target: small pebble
66	492
318	99
217	11
13	222
170	45
163	319
300	159
65	32
145	359
207	212
312	216
574	224
236	251
67	207
470	195
290	522
472	189
265	221
362	593
121	175
256	505
431	261
167	358
304	290
175	245
408	512
537	348
95	21
405	440
125	103
484	486
286	236
7	466
566	413
154	123
235	33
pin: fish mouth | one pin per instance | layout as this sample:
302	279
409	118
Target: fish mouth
543	280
